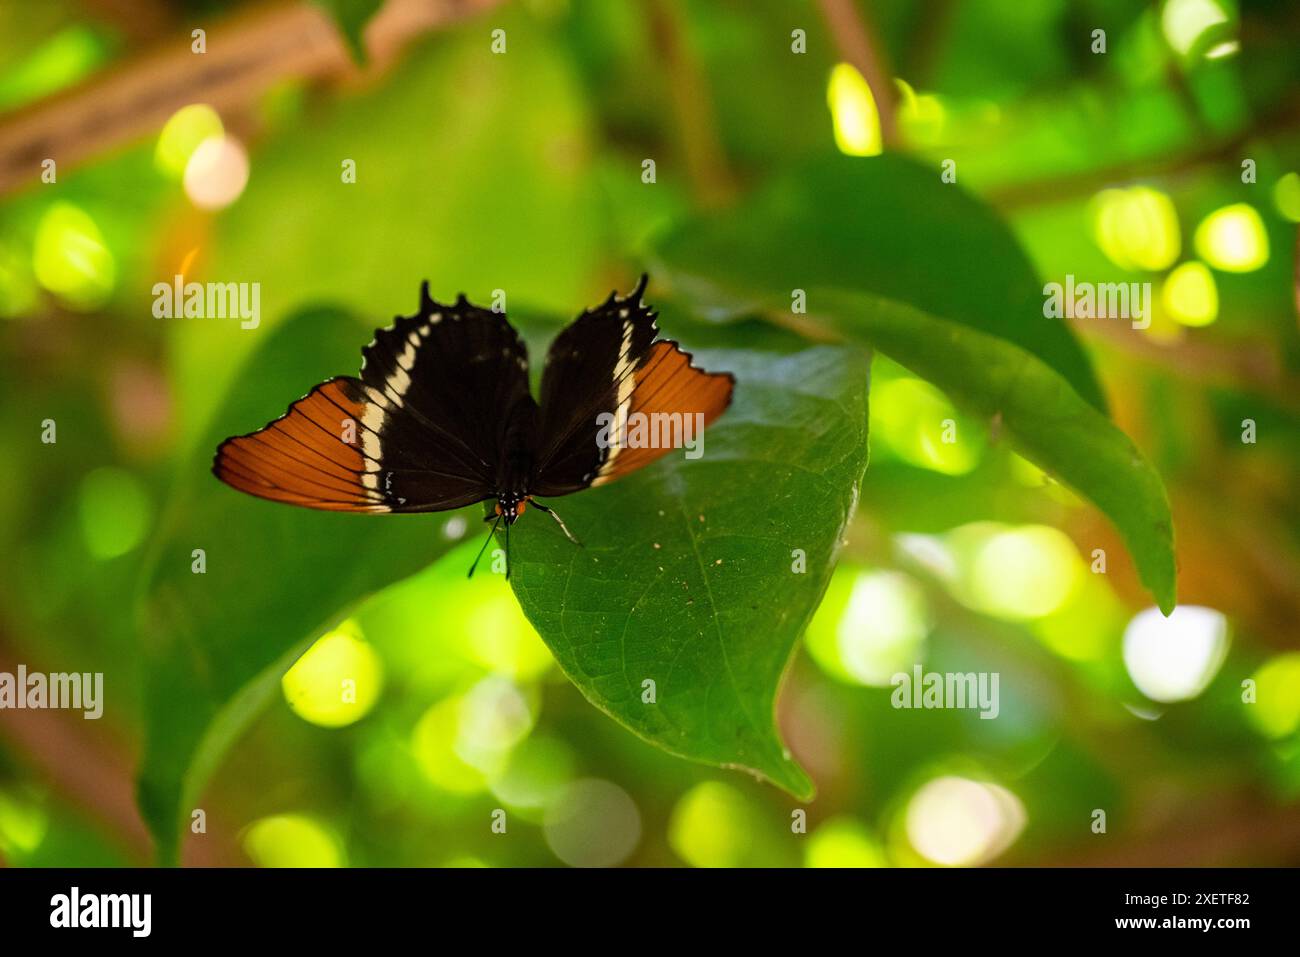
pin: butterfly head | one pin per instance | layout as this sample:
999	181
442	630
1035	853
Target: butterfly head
510	505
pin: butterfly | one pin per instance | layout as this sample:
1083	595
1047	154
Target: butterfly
441	416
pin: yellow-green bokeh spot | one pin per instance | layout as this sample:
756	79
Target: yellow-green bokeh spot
844	842
337	680
181	135
1286	196
1189	294
1276	709
71	259
853	112
1233	239
870	626
913	421
292	840
1137	228
712	826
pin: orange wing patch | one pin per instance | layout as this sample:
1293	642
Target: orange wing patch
667	392
322	453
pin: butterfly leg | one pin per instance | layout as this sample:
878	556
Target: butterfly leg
564	528
491	532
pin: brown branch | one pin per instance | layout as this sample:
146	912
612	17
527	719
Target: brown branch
688	90
85	763
246	54
855	37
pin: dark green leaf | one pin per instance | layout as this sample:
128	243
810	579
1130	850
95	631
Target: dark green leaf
887	226
687	575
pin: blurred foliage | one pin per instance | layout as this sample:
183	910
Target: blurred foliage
522	171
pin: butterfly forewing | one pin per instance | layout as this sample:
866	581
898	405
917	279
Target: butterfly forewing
608	364
421	430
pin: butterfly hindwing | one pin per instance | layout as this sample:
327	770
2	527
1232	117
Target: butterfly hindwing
606	366
420	430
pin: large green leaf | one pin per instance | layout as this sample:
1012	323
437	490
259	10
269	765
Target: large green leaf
1034	408
216	643
887	226
689	571
922	296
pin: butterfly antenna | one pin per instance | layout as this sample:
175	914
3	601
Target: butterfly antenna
555	515
507	551
491	532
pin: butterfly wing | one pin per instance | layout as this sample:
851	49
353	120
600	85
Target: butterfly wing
421	430
608	363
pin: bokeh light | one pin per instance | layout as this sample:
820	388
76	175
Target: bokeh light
463	740
1286	196
958	822
71	259
1189	25
182	134
594	823
853	112
711	826
115	512
216	173
537	773
910	420
337	680
843	842
433	744
1276	709
1175	658
1190	295
1137	228
1233	239
23	824
292	840
1017	573
870	626
495	715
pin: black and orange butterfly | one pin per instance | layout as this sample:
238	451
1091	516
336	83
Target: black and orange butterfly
442	417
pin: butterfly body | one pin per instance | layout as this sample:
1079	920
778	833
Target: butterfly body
442	417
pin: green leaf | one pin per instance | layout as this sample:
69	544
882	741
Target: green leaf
872	284
351	16
686	573
887	226
1035	408
276	577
